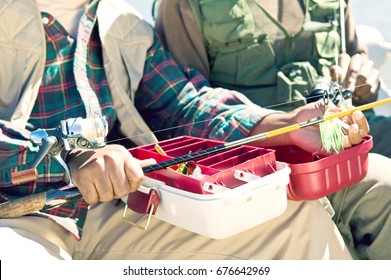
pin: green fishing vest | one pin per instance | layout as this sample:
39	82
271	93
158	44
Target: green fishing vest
241	39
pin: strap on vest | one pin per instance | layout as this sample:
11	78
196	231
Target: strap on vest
90	100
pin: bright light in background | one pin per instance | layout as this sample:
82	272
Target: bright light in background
375	14
145	8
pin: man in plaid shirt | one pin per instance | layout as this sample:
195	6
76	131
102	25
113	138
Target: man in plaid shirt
139	88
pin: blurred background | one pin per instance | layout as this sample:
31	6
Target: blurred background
374	24
376	14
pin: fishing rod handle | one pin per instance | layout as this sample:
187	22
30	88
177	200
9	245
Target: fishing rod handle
23	206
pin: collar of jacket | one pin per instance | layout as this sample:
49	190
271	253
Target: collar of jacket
125	40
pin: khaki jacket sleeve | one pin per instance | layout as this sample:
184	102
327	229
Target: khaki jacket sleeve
179	32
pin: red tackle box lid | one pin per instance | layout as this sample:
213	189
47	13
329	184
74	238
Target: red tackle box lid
314	175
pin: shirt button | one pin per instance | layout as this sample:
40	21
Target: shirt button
45	20
70	39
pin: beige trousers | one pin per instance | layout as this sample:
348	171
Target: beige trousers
363	212
303	231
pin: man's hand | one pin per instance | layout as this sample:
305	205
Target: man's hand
361	77
309	138
107	173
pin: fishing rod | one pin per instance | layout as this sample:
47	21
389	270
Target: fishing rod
262	136
35	202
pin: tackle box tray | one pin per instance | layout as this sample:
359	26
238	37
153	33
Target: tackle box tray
314	176
217	168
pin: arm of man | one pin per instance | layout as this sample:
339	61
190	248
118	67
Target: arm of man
179	101
176	100
100	174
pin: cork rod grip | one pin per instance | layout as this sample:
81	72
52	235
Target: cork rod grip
22	206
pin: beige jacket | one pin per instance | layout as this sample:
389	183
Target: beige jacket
125	40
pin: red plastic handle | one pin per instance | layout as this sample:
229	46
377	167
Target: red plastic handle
141	202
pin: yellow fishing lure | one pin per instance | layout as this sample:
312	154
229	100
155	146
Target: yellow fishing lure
333	131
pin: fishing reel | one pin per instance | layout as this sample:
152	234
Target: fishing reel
75	133
329	91
71	134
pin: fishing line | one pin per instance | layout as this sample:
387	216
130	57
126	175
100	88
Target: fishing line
262	136
205	121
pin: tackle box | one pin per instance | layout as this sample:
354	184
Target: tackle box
314	175
240	188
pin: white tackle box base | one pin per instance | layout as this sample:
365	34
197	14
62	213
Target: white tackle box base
224	212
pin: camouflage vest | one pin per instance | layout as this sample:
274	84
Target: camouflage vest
242	41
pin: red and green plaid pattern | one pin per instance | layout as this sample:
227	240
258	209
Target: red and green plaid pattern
173	100
176	100
58	99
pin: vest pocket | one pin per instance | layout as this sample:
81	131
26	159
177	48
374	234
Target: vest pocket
14	70
326	39
322	9
294	81
226	21
245	66
327	44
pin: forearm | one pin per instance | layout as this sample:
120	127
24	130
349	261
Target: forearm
271	122
307	138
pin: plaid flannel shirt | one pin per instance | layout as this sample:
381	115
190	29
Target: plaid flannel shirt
173	100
